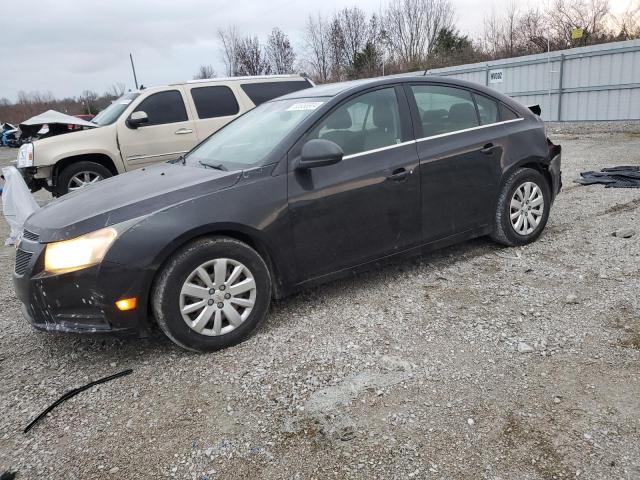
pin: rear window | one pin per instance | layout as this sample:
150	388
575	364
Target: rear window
213	102
487	109
507	114
263	92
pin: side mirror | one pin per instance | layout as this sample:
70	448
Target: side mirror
137	119
319	153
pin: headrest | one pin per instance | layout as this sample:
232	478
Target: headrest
382	114
462	113
432	116
339	120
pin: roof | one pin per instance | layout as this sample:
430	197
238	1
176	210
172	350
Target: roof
242	78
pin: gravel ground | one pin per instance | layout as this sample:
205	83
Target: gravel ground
473	362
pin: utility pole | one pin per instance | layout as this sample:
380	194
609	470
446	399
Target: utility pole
135	79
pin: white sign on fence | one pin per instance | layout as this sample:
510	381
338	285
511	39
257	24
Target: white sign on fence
496	76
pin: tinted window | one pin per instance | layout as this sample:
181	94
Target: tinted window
214	101
507	114
263	92
444	109
164	107
367	122
487	109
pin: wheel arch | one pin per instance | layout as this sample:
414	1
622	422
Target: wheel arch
100	158
248	235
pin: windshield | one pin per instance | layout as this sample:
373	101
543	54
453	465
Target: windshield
247	141
113	111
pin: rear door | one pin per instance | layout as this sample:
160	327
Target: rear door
368	205
169	133
460	155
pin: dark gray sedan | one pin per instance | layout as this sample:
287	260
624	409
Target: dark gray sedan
303	189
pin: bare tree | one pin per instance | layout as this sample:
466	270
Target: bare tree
279	52
250	58
89	99
590	15
317	43
628	22
116	90
349	36
230	43
413	25
204	72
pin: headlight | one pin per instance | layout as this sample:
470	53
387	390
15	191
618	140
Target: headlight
25	156
80	252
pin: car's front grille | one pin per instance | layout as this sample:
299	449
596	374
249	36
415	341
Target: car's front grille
30	235
22	261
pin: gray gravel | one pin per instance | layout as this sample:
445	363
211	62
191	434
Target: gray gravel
473	362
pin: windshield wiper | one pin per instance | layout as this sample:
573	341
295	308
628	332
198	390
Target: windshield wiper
218	166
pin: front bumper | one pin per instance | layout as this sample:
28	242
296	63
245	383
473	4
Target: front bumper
33	177
78	302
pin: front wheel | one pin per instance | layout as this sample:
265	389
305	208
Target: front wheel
522	209
79	175
212	294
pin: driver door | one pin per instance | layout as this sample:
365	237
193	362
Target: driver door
368	205
168	134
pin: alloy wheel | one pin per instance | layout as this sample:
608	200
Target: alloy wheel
217	297
527	208
83	179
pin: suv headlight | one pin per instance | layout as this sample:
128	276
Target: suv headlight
25	156
78	253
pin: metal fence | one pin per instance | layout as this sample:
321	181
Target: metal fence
600	82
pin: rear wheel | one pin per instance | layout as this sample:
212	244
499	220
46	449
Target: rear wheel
212	294
523	208
79	175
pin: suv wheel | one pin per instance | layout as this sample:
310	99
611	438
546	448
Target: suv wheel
212	294
79	175
523	208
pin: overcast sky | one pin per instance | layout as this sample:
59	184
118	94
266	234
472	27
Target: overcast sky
66	46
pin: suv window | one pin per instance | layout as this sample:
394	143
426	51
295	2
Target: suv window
487	109
365	123
444	109
164	107
213	102
265	91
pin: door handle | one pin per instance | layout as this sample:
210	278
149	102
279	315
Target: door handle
183	131
399	175
489	148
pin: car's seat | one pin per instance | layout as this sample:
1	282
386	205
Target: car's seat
339	123
461	116
385	133
433	122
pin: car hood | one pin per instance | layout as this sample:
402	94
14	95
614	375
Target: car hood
135	194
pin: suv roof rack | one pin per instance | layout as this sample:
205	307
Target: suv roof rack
239	78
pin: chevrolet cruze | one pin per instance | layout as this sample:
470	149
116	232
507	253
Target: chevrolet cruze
318	184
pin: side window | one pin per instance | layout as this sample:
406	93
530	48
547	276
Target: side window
265	91
164	107
444	109
367	122
506	113
487	109
213	102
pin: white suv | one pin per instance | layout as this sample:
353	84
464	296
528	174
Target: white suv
152	125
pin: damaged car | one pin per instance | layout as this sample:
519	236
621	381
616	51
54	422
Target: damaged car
303	189
142	127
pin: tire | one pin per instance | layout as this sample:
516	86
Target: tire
505	232
180	274
91	169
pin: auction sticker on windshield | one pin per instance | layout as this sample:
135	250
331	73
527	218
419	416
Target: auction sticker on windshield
304	106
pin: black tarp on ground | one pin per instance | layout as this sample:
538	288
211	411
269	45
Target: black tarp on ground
614	177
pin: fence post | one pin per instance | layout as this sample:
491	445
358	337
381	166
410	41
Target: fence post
486	75
560	87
